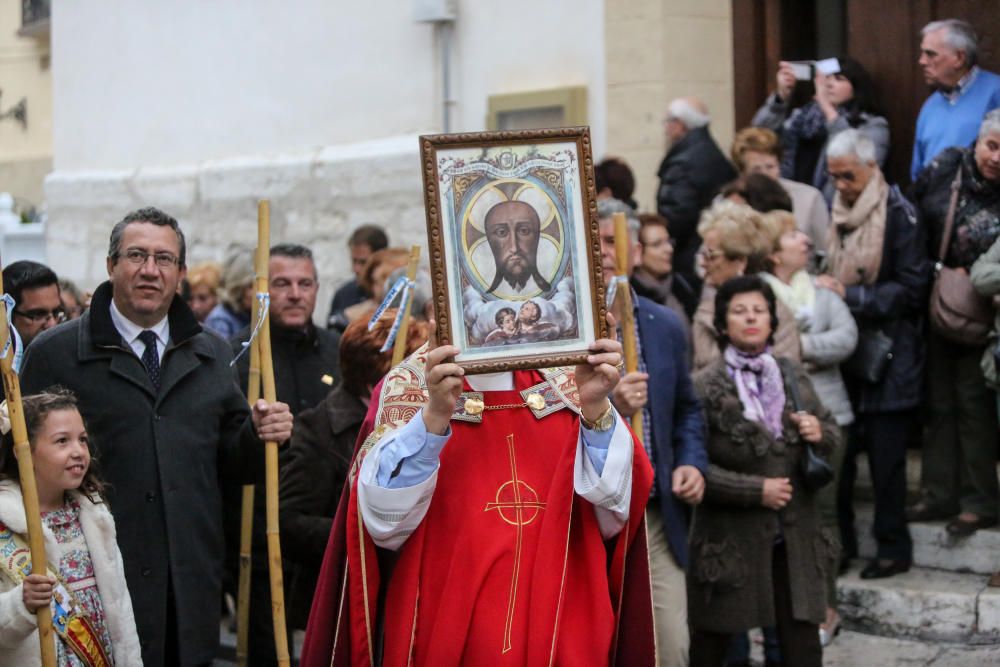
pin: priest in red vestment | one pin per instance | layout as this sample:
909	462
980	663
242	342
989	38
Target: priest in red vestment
491	520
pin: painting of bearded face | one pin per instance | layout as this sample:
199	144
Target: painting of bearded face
512	229
512	240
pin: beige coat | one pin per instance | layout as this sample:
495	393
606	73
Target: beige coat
18	627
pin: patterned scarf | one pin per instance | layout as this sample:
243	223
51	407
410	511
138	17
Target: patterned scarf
759	385
854	241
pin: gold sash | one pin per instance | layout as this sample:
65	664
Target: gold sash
70	622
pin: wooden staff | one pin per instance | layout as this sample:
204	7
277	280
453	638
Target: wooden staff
270	447
399	348
246	508
29	491
627	319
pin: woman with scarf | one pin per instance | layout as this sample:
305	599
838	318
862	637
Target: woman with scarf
844	100
960	451
877	264
758	557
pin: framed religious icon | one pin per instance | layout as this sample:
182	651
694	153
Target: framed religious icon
515	252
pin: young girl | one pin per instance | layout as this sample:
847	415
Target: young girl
85	583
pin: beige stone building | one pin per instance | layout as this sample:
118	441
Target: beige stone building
657	50
25	101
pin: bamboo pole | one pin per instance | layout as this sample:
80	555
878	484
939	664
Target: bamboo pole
627	318
270	447
246	507
399	347
29	490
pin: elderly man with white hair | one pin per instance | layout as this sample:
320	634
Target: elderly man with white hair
690	175
949	50
876	262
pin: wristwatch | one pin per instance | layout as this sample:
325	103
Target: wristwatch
603	423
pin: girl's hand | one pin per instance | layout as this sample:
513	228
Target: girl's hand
37	591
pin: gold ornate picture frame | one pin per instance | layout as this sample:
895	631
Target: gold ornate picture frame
515	253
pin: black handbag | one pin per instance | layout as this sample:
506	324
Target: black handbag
871	357
816	473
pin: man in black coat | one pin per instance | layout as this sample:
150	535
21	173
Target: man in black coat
306	367
165	418
690	176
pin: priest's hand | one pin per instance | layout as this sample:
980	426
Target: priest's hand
272	421
598	377
444	384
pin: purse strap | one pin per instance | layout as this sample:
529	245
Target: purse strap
949	220
793	384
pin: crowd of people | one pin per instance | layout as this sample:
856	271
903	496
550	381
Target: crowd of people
794	309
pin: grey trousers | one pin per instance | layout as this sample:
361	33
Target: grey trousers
960	450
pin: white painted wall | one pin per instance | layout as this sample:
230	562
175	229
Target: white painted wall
171	82
202	106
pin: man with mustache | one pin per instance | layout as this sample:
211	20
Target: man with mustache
513	229
166	421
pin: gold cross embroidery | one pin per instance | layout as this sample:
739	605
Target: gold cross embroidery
517	504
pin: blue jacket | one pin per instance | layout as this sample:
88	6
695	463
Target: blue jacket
678	425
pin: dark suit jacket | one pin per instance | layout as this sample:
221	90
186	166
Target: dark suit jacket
162	454
678	425
690	176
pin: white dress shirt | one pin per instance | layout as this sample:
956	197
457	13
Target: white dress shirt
130	331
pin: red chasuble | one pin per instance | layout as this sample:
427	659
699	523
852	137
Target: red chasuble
508	567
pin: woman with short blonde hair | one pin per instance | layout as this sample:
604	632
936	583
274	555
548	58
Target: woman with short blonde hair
734	243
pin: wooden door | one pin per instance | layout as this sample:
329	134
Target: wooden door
883	35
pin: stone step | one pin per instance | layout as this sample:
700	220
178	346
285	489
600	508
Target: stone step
926	604
934	548
855	649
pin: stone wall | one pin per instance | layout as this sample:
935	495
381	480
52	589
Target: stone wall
657	51
316	199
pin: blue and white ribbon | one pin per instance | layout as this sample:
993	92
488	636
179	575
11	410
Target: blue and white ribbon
404	289
613	289
13	339
263	306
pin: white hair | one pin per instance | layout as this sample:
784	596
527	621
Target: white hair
685	112
606	208
991	124
852	143
959	35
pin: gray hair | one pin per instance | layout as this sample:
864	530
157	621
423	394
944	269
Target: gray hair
852	143
422	292
237	275
991	124
294	251
690	117
959	35
606	208
149	215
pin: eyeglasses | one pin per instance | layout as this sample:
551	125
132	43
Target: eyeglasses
36	316
136	256
847	176
708	255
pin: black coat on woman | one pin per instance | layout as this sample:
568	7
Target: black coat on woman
730	582
895	304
